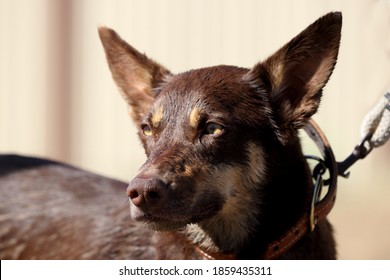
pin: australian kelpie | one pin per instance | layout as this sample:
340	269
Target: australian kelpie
224	176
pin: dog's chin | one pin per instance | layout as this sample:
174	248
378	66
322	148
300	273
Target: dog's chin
165	226
159	223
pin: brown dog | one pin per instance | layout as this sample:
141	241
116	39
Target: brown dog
225	174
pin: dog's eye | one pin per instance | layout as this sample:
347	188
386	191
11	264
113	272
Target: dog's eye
146	130
214	129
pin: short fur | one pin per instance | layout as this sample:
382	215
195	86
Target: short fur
225	171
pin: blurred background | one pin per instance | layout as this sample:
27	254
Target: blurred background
57	98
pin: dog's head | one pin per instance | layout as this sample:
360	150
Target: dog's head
205	131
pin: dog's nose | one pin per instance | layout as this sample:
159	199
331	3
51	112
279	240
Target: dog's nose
146	192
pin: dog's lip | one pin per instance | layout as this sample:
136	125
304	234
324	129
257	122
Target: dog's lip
170	221
147	217
141	216
160	223
166	217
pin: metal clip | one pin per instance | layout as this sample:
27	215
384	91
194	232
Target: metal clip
318	171
360	152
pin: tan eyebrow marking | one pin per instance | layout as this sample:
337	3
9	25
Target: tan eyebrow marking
195	117
157	116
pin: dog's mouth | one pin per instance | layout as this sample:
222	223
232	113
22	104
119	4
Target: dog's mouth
166	221
171	206
159	223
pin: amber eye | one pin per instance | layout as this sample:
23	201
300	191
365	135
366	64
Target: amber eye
214	129
146	130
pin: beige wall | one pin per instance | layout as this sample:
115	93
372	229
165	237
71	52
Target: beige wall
57	98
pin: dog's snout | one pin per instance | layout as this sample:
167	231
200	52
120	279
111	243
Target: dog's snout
146	192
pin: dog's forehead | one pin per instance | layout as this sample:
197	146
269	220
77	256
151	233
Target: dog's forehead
201	89
207	80
219	92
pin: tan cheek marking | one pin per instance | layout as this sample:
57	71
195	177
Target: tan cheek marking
240	208
188	171
195	117
256	169
157	116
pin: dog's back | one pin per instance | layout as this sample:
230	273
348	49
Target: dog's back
54	211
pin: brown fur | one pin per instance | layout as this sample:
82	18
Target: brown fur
225	170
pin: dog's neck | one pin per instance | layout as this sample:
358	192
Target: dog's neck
286	192
227	231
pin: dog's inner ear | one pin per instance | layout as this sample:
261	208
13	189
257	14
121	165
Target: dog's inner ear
295	75
135	74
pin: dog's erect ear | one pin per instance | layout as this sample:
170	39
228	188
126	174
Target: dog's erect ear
295	75
134	73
